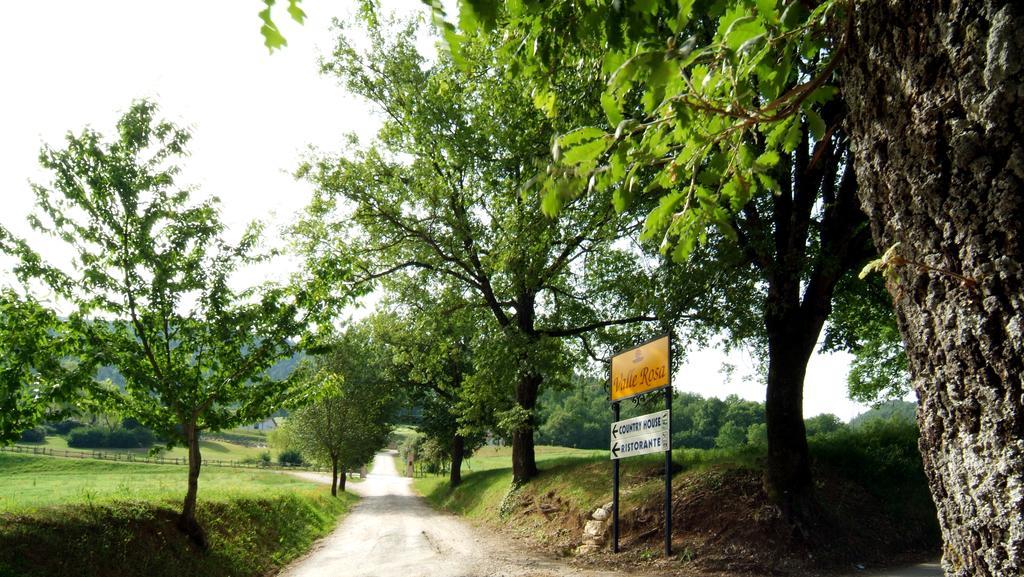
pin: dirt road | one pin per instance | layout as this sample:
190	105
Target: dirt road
393	533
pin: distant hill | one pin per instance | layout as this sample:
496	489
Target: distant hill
891	410
280	371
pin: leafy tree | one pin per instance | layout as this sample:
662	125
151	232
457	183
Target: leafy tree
577	416
41	364
440	191
430	334
352	417
864	324
151	280
901	411
823	424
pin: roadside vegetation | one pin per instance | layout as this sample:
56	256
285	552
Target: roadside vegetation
874	504
86	518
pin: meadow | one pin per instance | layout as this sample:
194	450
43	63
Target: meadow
36	481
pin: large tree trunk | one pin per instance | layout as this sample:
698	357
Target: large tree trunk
790	344
458	453
334	477
524	461
341	482
937	120
187	522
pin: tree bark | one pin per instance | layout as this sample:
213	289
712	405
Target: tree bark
458	453
937	120
341	482
187	521
524	461
334	477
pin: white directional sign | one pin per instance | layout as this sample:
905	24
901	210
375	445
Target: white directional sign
640	435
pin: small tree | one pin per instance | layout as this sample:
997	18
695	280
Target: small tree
151	275
352	419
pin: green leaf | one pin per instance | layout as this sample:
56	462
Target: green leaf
814	123
793	137
742	30
272	37
611	108
767	11
585	152
296	13
767	160
579	135
683	15
551	203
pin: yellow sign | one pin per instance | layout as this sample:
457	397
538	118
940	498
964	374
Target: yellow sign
640	370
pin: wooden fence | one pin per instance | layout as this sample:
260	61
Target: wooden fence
135	458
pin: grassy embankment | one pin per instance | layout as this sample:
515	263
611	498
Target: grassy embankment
82	517
874	504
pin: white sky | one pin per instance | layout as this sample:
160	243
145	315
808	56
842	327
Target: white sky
72	63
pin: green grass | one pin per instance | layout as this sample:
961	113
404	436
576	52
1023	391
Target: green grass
98	518
35	481
582	477
211	449
248	537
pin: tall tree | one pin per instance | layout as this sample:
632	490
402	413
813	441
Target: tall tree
151	279
440	191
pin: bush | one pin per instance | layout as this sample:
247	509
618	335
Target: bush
33	436
290	457
64	427
97	438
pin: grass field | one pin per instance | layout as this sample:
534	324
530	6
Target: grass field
221	450
32	482
71	517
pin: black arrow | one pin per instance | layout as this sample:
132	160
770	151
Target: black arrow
615	429
615	450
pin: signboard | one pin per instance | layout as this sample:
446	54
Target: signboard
640	370
640	435
642	425
640	445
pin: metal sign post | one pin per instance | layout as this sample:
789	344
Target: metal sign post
635	372
615	491
668	473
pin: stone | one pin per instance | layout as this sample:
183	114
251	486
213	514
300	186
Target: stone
600	514
594	529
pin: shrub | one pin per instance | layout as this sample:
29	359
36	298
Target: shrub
290	457
87	438
33	436
97	438
64	427
879	454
